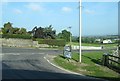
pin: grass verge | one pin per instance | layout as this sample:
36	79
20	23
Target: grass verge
90	66
94	44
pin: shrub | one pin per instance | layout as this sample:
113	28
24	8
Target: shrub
52	42
23	36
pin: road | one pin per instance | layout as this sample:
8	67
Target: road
23	63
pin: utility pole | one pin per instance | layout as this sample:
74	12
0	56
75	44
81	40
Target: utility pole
70	35
80	29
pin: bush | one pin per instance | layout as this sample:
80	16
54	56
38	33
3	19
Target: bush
52	42
23	36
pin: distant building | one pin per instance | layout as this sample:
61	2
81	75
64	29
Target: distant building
108	41
97	40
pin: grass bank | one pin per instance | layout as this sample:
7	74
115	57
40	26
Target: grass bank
94	44
90	65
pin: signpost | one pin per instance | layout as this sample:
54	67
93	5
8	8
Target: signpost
67	52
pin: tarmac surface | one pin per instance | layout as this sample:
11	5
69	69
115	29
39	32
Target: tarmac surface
29	63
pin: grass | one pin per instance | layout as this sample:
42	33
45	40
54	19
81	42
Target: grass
98	45
90	65
91	44
94	44
61	61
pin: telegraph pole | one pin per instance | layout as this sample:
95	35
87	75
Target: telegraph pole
80	29
70	35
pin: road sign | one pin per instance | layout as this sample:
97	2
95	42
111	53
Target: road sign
67	52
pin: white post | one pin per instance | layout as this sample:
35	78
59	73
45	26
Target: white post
80	12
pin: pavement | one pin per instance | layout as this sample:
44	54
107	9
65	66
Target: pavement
23	64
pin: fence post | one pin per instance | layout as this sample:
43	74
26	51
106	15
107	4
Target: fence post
119	52
105	59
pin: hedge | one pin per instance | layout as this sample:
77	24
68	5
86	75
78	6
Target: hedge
24	36
52	42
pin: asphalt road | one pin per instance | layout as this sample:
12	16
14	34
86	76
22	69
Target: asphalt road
23	63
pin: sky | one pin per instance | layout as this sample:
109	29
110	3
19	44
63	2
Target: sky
98	18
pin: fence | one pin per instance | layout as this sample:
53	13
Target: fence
111	61
86	48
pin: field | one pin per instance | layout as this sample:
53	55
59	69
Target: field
90	66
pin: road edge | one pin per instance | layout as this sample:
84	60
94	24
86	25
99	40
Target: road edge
70	71
61	67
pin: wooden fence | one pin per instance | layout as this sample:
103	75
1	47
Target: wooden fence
111	61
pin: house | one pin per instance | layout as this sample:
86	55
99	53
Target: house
107	41
97	40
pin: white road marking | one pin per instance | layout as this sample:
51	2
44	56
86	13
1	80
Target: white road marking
37	53
69	71
62	68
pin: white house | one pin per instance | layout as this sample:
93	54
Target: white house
97	40
108	41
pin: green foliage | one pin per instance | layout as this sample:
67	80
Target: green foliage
11	32
64	35
4	31
23	36
7	28
89	66
16	30
87	40
48	29
67	65
52	42
23	31
8	25
44	33
75	39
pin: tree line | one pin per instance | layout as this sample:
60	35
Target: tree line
8	31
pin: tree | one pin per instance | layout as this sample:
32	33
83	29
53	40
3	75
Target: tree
49	32
7	28
44	33
22	31
64	35
16	30
88	40
75	39
4	31
38	32
60	35
8	25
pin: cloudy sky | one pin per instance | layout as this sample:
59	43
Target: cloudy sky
98	18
